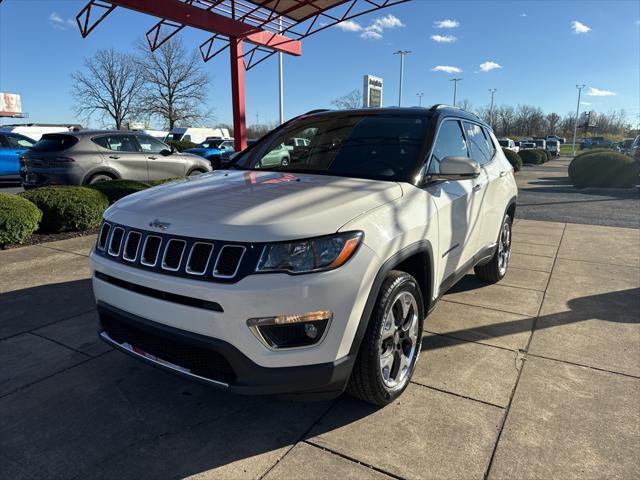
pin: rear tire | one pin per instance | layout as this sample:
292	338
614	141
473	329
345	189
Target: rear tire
495	270
99	179
391	345
195	172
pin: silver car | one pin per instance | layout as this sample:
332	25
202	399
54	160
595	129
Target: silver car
91	156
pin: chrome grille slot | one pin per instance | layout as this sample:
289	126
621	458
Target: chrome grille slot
151	250
104	235
116	241
228	261
199	258
131	246
172	257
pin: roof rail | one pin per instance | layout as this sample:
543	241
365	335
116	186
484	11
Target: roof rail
318	110
438	106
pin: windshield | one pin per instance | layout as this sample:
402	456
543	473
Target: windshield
53	142
503	143
173	137
384	147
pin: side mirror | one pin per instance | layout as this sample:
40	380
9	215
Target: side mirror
166	152
457	168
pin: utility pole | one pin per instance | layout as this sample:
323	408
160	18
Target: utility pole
493	91
455	88
402	54
575	125
280	78
420	95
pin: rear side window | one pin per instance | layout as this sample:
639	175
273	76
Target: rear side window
450	143
117	143
490	144
478	146
55	142
18	141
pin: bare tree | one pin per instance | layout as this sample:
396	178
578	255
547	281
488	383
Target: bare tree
110	86
465	105
553	119
175	84
352	99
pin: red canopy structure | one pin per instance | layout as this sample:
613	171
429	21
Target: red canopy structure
268	26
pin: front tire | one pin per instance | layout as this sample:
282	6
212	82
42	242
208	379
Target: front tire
391	345
496	268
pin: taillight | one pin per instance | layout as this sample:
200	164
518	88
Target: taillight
61	161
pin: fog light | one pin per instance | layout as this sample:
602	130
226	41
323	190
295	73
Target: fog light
290	331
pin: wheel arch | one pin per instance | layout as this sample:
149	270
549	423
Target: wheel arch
101	171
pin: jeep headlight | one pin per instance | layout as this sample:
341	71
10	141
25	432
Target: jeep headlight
311	255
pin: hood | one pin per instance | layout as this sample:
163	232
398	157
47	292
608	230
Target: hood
252	206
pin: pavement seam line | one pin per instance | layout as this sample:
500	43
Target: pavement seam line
521	288
47	324
523	361
494	309
568	362
471	341
600	263
459	395
354	460
58	343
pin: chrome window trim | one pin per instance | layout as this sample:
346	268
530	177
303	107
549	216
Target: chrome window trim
215	266
206	267
163	265
106	242
124	250
109	250
144	247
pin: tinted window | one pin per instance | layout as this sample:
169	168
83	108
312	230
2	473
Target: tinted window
210	144
173	137
55	142
150	144
363	146
450	143
503	143
117	143
3	142
227	145
18	141
478	146
490	144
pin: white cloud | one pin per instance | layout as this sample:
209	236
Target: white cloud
585	103
446	23
446	69
637	22
56	21
371	35
443	38
579	27
389	21
596	92
375	29
489	65
349	26
523	14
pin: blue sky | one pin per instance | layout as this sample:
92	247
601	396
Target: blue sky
540	50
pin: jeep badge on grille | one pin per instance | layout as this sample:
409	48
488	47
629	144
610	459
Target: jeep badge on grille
158	224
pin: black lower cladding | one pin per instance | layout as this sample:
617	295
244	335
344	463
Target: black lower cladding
220	361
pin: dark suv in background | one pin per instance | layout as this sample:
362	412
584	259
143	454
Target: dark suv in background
86	157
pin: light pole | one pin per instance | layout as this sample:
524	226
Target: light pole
493	91
455	88
420	95
575	125
402	54
280	78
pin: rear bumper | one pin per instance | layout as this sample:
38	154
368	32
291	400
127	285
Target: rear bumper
215	362
40	177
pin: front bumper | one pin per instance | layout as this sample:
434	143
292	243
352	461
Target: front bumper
215	362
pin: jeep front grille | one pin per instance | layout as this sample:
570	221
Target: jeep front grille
196	258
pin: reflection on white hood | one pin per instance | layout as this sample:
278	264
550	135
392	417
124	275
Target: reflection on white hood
254	206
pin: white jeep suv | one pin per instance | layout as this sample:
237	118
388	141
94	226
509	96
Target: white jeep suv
316	276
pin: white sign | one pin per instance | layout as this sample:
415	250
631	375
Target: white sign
372	91
10	104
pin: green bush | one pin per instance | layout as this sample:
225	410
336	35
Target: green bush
592	151
68	208
180	145
19	218
114	190
155	183
547	154
530	157
514	159
604	169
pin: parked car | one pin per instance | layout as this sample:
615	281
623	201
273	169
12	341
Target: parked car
556	137
196	135
313	277
87	157
12	145
35	131
541	143
635	148
595	142
527	145
625	146
509	144
217	151
553	147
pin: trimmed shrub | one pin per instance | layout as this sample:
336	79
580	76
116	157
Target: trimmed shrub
594	150
514	159
180	145
155	183
530	157
547	154
114	190
19	218
604	169
68	208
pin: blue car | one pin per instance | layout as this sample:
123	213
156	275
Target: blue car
11	146
214	150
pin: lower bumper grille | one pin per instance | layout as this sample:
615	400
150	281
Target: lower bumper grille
199	361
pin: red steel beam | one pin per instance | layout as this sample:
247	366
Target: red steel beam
237	94
212	22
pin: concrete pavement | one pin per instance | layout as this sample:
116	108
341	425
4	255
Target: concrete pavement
535	377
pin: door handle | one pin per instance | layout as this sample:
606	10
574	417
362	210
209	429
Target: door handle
152	158
477	187
115	157
502	174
